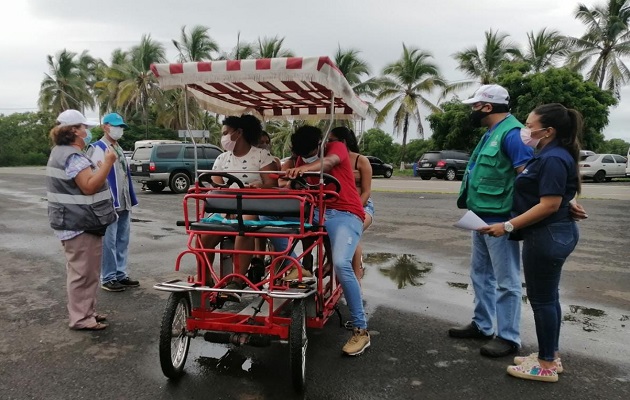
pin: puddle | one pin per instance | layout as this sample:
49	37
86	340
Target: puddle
232	363
623	318
458	285
156	237
139	220
592	312
404	269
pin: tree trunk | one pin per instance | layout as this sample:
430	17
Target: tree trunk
404	142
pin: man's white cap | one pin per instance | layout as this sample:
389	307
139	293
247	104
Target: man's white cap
73	117
490	94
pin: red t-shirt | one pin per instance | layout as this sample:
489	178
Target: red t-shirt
349	199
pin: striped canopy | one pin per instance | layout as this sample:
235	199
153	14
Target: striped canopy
273	88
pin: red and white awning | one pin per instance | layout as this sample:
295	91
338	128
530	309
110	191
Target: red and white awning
274	88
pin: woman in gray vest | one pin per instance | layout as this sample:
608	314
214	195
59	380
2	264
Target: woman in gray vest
79	210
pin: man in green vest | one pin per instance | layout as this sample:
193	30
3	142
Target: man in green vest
487	190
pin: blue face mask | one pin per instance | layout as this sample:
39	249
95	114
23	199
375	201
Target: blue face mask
311	159
88	138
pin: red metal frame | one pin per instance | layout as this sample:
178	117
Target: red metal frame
207	317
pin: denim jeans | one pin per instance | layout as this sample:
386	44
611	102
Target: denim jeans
496	279
344	230
115	247
545	250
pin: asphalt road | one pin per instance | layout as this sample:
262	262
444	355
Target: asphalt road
416	286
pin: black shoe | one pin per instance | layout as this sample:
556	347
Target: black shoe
470	331
235	297
498	347
113	286
128	282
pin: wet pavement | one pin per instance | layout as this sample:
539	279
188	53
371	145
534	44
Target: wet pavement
416	286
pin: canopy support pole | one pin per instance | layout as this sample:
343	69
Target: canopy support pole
188	131
322	148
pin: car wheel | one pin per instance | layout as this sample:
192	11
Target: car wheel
156	187
599	176
180	182
450	174
425	177
388	173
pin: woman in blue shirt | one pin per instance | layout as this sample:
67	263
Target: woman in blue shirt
542	196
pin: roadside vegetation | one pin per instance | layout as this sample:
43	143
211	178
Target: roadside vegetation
585	73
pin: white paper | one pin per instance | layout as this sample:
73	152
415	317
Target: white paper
470	221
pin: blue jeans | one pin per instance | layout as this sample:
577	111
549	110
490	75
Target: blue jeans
496	279
115	248
545	250
344	230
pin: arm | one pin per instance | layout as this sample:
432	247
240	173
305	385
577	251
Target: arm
365	171
267	180
547	206
329	163
91	181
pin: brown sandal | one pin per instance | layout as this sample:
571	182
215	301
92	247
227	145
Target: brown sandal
97	327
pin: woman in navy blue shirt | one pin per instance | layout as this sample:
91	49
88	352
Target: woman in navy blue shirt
543	220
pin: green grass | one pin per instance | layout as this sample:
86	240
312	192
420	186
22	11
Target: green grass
406	172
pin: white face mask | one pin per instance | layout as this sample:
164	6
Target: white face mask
526	137
227	143
115	132
309	160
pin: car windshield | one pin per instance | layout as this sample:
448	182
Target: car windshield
591	158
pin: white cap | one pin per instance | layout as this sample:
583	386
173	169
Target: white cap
73	117
490	94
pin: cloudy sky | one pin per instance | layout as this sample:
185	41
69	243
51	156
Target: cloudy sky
32	29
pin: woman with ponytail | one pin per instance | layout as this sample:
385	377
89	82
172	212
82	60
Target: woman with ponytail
543	219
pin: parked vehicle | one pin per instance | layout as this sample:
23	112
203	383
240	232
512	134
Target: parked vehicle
142	143
446	164
603	167
379	168
586	153
171	164
628	163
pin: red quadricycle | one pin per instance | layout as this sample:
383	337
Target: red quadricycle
272	308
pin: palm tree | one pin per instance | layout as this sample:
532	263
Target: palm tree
272	48
406	270
196	46
241	51
404	86
65	86
545	49
606	41
354	69
139	87
484	65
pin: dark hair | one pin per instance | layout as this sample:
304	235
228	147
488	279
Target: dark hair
500	108
248	124
305	139
266	134
347	136
63	135
568	124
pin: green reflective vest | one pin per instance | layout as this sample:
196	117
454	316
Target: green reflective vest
489	187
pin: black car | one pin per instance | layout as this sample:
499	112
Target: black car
171	164
379	168
446	164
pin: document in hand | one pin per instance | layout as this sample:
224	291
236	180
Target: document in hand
470	221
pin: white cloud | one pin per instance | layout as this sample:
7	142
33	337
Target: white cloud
33	29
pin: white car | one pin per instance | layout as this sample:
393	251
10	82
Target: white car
603	167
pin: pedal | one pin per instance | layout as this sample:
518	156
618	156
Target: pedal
300	285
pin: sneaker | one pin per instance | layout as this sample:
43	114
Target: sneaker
533	358
293	275
113	286
470	331
498	347
357	344
235	297
128	282
533	372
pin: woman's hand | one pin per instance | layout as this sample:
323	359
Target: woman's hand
495	230
577	211
293	173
